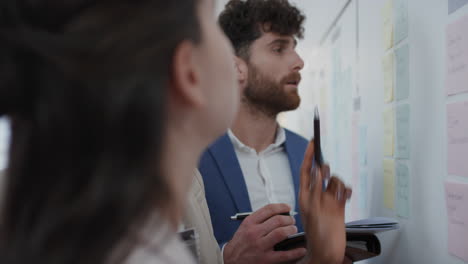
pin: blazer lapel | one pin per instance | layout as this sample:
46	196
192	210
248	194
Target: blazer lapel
295	161
228	164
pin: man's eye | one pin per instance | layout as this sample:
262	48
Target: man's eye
278	50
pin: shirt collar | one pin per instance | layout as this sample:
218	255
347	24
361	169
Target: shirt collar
279	141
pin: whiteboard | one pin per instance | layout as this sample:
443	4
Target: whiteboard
354	60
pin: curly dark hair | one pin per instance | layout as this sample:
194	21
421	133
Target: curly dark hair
243	21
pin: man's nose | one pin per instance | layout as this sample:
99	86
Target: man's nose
298	62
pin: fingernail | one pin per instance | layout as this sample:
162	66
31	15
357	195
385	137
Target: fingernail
313	174
339	194
313	165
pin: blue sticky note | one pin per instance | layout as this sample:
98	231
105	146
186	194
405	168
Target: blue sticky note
363	145
402	72
401	20
363	189
403	141
454	5
403	190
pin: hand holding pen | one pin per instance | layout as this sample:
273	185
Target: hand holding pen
257	235
318	162
322	209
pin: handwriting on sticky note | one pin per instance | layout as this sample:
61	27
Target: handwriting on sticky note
457	56
457	132
403	190
389	132
402	86
401	20
387	19
389	183
456	196
388	72
403	141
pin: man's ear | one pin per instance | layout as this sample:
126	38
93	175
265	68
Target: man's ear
242	70
186	75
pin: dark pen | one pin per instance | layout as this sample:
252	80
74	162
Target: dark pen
318	157
242	216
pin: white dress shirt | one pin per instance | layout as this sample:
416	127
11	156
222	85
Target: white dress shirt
267	174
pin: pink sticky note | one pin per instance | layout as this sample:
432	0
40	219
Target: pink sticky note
456	197
457	56
457	132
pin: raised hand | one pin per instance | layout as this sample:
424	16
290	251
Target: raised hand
322	212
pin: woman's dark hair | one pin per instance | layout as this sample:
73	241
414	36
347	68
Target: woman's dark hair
243	21
84	84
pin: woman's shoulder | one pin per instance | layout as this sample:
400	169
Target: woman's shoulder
169	250
158	243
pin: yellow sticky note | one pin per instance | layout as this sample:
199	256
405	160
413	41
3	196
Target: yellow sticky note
388	72
389	183
387	19
389	132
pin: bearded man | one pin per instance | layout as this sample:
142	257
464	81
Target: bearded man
257	162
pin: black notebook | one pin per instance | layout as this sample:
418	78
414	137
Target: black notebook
358	246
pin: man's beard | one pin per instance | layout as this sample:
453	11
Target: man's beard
268	96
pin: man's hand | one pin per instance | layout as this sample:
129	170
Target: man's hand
254	240
322	212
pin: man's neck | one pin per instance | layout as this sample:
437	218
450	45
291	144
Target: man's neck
255	129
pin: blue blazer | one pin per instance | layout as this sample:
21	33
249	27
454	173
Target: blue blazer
226	191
